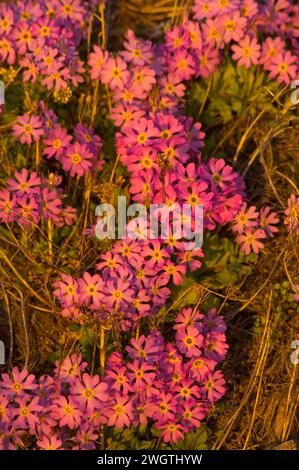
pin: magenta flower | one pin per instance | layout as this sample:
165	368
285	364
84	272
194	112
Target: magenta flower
250	241
51	203
7	51
247	52
268	220
124	114
245	219
66	290
20	382
89	392
189	341
214	386
141	133
271	48
7	206
120	412
174	271
192	413
115	73
182	65
234	26
56	143
137	52
165	407
96	60
28	209
23	37
143	81
27	413
71	368
49	443
171	431
118	379
25	182
118	294
90	289
283	67
141	374
28	128
188	316
66	412
77	159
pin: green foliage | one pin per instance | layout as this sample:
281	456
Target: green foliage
223	262
233	90
196	440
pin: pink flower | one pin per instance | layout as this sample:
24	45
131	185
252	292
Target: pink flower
137	52
28	128
165	407
120	412
234	26
51	203
66	412
171	431
141	374
123	114
7	51
71	368
182	65
270	49
66	289
90	289
176	272
25	182
90	392
250	241
143	81
7	206
115	73
22	35
77	159
245	219
189	341
49	443
247	52
56	142
28	209
27	413
268	220
96	60
214	386
283	67
141	133
20	382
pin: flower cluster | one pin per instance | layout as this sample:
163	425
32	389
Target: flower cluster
252	226
42	37
168	382
77	154
256	33
28	198
291	219
167	385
